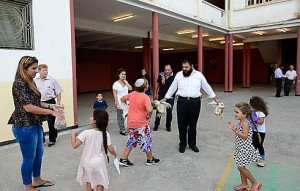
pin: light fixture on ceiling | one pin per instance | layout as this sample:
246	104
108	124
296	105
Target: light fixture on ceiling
138	47
186	31
123	17
196	36
216	39
238	44
259	33
168	49
223	41
283	30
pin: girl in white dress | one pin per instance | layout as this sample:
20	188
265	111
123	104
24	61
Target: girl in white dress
92	167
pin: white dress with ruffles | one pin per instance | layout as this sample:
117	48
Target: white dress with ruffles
92	167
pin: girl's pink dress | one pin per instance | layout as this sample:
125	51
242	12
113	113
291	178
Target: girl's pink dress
92	167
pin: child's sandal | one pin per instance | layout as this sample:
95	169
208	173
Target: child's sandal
240	188
257	188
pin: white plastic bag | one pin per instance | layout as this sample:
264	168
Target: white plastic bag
60	123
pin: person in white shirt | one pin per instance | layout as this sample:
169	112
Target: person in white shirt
278	78
290	77
261	109
50	90
120	89
188	84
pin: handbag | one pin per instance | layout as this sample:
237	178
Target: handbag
255	128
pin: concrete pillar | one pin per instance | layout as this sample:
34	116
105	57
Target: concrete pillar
200	50
244	65
226	64
297	84
155	47
146	54
72	28
248	65
230	63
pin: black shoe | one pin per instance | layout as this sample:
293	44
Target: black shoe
195	148
155	128
51	144
122	132
168	129
125	162
181	149
153	161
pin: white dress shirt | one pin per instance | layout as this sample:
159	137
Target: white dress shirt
48	87
278	73
291	74
190	86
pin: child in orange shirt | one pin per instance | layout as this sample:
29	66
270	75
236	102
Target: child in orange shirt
139	113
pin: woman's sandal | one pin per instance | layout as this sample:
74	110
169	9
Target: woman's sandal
240	188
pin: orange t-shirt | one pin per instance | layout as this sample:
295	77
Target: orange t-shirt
137	113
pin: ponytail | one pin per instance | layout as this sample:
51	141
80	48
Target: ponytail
105	143
101	117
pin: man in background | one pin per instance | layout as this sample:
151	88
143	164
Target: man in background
50	90
278	79
290	77
162	85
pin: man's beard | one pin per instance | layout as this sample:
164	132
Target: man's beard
187	73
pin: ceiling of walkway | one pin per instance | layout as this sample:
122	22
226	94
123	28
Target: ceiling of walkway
102	33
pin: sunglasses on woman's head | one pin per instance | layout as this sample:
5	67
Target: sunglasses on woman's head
31	58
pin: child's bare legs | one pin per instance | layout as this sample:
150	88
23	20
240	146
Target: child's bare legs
149	155
100	188
126	153
247	174
244	181
88	187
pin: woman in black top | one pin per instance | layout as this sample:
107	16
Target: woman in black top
27	120
145	75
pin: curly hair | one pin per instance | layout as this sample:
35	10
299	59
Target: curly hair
258	104
101	117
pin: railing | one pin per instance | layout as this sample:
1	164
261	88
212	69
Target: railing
212	14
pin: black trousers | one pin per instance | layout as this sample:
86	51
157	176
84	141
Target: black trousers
51	120
256	144
188	111
278	86
287	86
169	114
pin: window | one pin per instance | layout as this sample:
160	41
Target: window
16	27
258	2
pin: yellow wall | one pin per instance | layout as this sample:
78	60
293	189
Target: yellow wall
7	107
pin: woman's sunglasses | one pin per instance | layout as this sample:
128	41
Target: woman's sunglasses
31	58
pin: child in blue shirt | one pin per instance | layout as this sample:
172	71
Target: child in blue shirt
100	102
